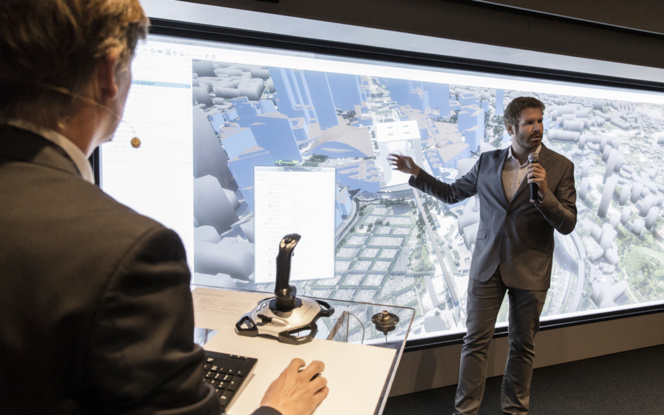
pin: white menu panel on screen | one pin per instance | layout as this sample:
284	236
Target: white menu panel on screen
295	200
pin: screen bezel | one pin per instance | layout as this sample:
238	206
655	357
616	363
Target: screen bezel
347	50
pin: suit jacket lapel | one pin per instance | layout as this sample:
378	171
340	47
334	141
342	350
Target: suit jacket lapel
502	158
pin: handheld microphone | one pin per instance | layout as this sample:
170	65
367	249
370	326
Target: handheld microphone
533	158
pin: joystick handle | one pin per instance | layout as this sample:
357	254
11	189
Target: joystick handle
283	292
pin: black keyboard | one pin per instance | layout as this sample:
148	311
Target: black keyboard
226	373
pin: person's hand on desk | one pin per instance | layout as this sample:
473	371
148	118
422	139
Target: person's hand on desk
297	391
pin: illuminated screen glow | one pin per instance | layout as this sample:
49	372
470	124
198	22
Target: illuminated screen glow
209	113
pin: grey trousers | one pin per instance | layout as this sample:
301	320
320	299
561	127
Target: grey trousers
484	301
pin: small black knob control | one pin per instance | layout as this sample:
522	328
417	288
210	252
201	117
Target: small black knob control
385	322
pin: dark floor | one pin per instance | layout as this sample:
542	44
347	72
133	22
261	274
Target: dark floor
624	383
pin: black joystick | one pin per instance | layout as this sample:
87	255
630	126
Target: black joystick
385	322
285	298
288	318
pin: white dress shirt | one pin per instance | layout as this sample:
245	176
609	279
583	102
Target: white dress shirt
514	173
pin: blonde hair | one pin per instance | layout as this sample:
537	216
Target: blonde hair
57	43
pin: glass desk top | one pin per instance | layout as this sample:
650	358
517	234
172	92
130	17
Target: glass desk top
367	339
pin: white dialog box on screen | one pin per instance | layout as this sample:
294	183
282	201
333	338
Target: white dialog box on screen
295	200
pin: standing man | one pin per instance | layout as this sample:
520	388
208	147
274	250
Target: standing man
514	248
96	313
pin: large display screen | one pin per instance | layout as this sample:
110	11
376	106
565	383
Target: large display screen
209	113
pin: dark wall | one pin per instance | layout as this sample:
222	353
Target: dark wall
617	31
644	15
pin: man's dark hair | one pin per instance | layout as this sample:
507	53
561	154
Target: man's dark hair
514	108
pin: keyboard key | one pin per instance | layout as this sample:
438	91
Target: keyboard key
226	373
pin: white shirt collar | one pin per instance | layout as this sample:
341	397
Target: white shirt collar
61	141
511	156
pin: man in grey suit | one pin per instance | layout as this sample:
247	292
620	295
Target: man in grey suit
513	252
96	314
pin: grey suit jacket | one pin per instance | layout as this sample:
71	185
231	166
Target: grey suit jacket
516	237
96	314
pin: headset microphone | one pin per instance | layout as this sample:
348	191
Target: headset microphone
135	141
533	158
